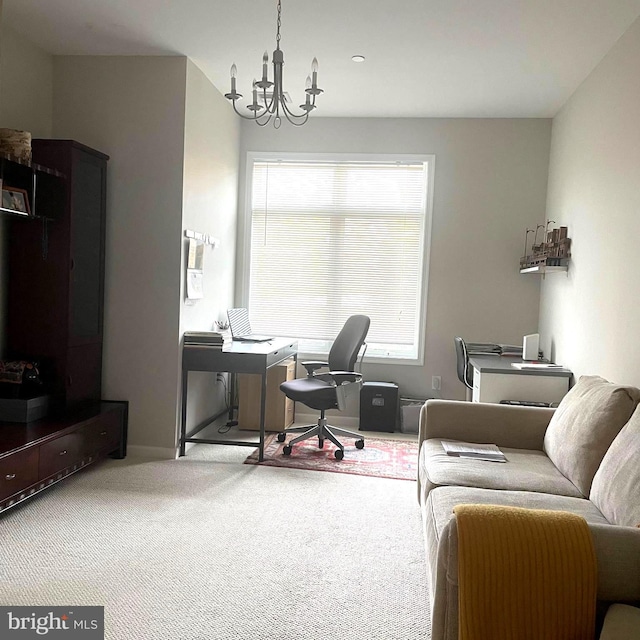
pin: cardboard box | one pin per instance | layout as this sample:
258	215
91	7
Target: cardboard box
279	410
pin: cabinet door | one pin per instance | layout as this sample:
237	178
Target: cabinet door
84	374
87	248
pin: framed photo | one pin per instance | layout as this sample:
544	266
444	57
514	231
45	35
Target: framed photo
15	199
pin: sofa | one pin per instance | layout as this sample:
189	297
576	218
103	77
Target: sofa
582	457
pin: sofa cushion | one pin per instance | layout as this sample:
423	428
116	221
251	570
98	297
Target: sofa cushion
439	506
616	485
584	425
525	470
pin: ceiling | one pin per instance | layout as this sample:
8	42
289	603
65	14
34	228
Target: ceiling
424	58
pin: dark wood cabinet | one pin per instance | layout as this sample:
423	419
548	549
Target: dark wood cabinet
56	276
55	294
36	455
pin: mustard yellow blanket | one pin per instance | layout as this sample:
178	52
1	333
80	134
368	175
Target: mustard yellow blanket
524	574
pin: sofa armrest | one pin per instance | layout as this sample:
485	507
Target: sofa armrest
481	422
618	551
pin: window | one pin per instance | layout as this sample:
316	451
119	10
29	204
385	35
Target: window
330	237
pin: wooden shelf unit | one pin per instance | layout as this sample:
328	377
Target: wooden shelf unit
55	298
45	187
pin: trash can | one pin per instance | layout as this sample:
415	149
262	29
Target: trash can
410	414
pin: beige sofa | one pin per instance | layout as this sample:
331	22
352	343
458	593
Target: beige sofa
583	457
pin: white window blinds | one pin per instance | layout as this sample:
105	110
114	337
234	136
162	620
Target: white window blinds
330	239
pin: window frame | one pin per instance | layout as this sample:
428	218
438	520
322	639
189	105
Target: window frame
245	245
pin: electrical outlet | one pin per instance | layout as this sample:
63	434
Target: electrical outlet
436	383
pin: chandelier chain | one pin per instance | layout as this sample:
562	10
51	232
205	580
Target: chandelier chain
279	22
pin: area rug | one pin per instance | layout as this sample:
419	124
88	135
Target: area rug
380	458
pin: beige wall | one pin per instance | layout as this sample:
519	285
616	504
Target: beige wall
133	108
26	85
211	142
490	184
591	317
26	98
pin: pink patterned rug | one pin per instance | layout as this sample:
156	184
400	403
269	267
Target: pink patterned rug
380	458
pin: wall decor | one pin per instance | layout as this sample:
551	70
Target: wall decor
553	251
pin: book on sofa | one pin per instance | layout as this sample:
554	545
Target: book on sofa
488	452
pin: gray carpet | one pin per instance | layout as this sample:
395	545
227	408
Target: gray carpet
206	547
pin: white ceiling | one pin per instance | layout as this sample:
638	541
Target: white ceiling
424	58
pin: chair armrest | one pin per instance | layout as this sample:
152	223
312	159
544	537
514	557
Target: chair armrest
346	384
481	422
344	377
312	365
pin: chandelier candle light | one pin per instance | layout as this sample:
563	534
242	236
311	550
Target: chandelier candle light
274	103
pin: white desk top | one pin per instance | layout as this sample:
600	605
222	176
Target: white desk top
502	364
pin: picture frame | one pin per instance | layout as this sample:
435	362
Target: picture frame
15	199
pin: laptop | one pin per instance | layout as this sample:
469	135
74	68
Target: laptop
241	327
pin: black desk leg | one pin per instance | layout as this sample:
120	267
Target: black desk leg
232	394
263	403
183	418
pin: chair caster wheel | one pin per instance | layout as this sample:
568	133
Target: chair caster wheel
359	444
321	444
339	454
281	437
286	450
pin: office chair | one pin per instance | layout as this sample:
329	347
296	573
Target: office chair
329	390
465	372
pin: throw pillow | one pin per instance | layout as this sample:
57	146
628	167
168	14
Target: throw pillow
584	425
616	485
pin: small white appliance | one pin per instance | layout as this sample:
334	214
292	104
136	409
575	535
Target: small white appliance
531	346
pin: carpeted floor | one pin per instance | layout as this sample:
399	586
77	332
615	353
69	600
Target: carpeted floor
201	548
381	458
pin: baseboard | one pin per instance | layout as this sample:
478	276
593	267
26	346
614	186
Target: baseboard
157	453
346	422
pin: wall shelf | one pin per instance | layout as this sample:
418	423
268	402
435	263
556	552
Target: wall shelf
543	269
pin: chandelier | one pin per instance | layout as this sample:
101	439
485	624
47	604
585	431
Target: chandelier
273	103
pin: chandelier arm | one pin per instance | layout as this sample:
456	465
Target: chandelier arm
265	123
242	114
297	123
270	105
288	113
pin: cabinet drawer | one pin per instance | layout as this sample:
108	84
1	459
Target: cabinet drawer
18	471
60	453
104	433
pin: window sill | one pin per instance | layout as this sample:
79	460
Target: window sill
368	359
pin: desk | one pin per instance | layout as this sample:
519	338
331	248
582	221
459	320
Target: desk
494	379
234	357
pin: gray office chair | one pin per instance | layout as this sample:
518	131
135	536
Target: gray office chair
465	372
329	390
